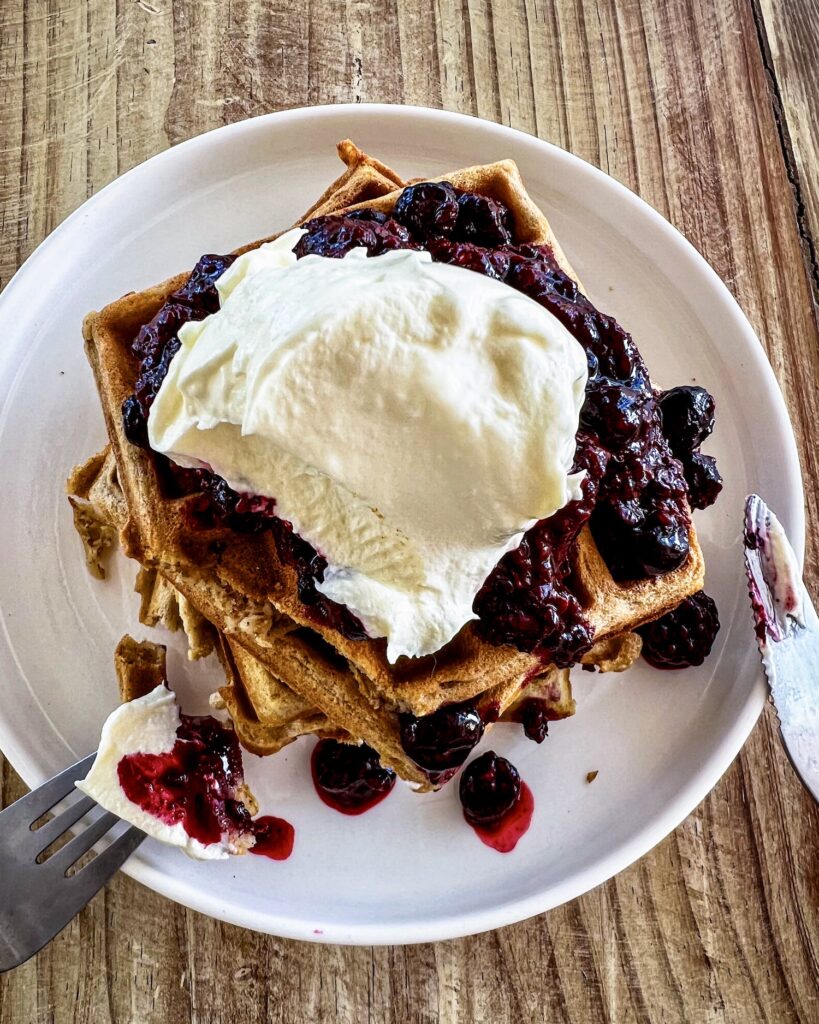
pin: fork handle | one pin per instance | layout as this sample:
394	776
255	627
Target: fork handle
37	900
35	912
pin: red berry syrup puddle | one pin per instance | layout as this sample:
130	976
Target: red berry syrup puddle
274	837
504	836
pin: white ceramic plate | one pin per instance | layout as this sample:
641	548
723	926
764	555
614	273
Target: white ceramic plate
410	870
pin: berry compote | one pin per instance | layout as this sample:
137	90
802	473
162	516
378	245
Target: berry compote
197	783
534	714
635	497
639	447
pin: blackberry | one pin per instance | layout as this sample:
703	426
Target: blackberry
350	777
688	417
428	209
483	220
441	742
490	788
684	636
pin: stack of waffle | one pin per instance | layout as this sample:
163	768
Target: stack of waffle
286	673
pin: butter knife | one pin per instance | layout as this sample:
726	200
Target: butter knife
787	632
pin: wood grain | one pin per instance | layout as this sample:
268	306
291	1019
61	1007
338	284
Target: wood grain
708	111
790	48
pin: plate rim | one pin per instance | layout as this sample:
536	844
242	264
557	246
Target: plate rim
710	771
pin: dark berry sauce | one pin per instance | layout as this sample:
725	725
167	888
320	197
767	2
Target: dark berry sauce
196	784
348	777
310	567
639	447
157	341
526	600
496	802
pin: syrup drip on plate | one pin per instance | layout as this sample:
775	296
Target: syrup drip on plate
274	837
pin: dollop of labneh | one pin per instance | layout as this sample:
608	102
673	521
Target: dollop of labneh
145	726
411	419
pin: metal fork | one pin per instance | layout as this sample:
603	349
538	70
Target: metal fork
38	899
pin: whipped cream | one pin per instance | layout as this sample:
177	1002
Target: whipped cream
146	725
411	419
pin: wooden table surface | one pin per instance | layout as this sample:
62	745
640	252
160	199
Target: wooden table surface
706	108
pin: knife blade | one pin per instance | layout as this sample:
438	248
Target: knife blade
787	632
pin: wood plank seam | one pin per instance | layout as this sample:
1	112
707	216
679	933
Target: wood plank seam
809	247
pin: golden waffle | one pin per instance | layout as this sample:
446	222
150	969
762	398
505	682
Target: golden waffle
277	716
91	491
162	604
282	716
140	667
238	582
266	713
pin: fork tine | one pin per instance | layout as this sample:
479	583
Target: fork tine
46	834
91	878
62	860
29	808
